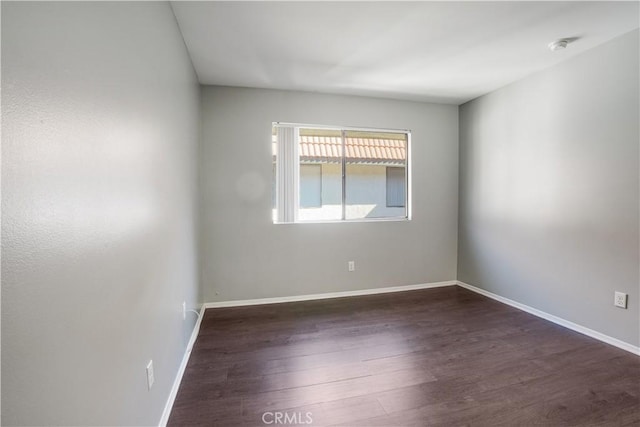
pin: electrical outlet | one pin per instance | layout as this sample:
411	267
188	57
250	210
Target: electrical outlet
150	377
184	310
352	266
620	300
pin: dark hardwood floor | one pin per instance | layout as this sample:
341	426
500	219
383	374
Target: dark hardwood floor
443	356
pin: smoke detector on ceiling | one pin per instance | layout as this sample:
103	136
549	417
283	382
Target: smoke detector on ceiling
558	44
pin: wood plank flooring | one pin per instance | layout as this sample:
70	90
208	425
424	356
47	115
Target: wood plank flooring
440	357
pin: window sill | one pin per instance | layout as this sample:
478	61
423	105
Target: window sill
346	221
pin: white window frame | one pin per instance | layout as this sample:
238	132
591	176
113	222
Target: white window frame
288	187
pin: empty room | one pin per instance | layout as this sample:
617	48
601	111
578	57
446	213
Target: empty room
320	213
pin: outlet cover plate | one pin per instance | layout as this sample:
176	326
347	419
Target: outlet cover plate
620	300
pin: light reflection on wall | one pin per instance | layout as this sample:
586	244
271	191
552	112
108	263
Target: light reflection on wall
99	188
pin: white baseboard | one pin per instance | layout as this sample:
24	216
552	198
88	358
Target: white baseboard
311	297
555	319
183	365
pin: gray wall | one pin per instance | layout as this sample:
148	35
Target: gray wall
99	140
246	256
549	189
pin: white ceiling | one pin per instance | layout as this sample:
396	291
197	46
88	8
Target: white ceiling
428	51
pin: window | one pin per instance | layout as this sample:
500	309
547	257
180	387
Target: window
339	174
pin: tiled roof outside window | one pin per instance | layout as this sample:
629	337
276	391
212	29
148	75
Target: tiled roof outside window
328	149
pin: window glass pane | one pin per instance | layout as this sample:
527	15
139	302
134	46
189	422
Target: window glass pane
368	154
310	186
320	152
